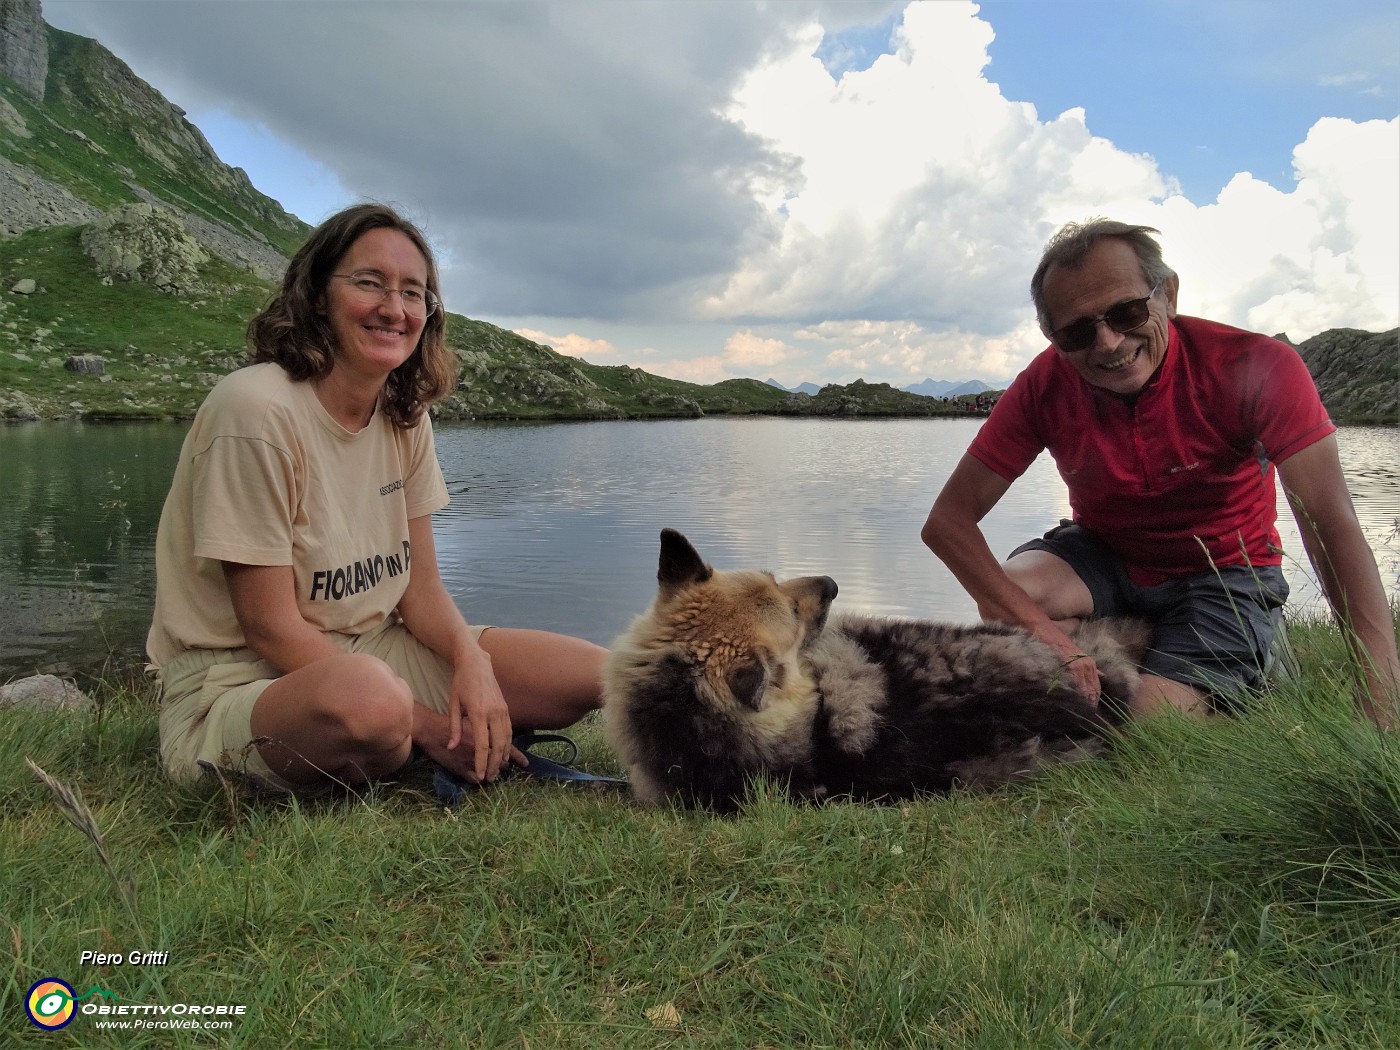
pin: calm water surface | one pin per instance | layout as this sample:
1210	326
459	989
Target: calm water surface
555	525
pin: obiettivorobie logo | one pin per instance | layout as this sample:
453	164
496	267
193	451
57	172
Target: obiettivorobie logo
50	1003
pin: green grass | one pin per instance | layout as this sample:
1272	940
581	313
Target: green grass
1231	884
161	352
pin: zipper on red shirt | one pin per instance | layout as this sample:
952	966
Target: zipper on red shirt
1142	458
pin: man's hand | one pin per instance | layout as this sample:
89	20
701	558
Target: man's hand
1078	665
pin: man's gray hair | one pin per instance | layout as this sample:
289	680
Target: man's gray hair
1071	246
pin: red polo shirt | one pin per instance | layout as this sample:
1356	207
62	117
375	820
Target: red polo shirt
1184	476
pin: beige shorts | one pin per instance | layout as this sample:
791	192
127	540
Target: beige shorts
208	697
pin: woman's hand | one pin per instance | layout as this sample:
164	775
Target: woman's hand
478	718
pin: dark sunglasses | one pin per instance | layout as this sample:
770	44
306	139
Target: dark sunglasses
1123	318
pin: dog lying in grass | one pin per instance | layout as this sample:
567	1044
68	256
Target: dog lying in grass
733	676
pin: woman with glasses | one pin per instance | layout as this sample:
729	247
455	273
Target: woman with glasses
1168	431
302	634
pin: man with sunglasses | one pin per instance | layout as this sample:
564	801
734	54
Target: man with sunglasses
1168	431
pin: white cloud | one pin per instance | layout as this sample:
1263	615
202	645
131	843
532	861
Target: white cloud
918	191
573	344
744	349
905	353
746	354
709	369
1322	255
1344	79
919	200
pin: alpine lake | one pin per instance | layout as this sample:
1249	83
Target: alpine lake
555	525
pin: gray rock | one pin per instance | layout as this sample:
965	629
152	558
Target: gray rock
24	286
33	202
88	364
24	46
44	692
12	122
15	406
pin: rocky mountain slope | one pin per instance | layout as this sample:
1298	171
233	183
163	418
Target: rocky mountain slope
1357	373
131	258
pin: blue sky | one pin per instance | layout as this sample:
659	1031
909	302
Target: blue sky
813	190
1240	81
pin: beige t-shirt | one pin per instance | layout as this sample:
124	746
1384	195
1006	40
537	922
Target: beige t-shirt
267	477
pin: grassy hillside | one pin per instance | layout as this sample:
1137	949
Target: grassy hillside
112	139
162	352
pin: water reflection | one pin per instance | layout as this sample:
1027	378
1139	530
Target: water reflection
76	563
843	498
555	525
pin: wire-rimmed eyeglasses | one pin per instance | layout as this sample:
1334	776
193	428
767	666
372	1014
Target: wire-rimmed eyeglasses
369	287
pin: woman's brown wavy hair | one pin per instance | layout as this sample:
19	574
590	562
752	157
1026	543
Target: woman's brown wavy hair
292	329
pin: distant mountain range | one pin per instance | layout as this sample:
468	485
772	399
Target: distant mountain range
927	388
811	389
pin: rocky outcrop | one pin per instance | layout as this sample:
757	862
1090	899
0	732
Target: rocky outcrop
16	408
24	46
1357	373
86	364
251	253
140	242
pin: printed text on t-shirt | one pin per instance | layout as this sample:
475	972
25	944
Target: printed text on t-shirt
358	576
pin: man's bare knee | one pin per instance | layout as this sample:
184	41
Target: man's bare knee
1052	584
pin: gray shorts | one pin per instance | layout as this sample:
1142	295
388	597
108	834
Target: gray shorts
1212	631
207	698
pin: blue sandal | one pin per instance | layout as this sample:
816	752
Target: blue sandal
451	789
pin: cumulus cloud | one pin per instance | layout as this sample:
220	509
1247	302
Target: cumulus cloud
922	198
906	352
573	344
710	368
744	349
746	354
1322	255
922	193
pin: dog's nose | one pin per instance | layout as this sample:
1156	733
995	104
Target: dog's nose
829	589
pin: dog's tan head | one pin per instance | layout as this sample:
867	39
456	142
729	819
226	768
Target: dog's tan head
743	631
708	687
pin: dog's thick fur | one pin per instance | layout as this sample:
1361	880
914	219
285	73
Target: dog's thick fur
732	676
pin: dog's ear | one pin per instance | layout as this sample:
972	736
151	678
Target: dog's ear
680	564
747	682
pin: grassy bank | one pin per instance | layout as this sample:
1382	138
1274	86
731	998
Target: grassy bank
1234	884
